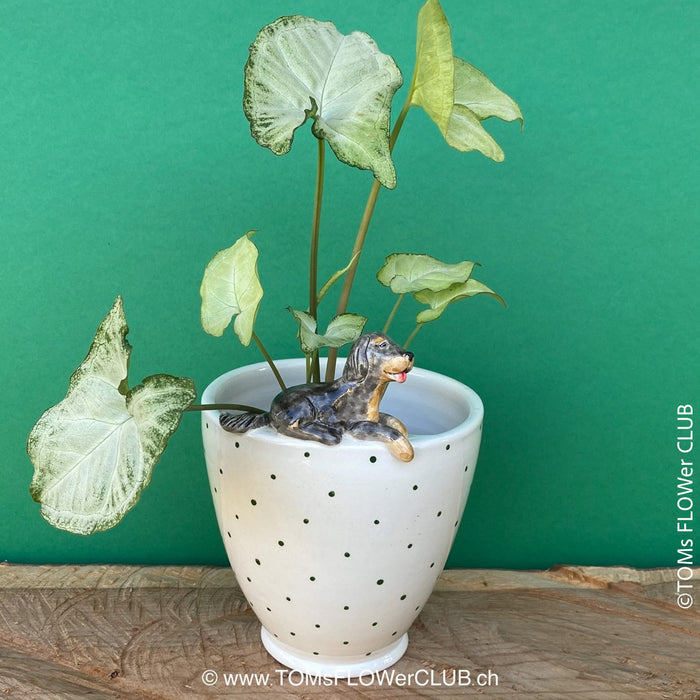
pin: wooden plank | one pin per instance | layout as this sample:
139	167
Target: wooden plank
150	632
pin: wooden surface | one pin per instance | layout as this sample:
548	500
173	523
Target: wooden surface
135	632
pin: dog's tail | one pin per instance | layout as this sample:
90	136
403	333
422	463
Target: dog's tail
242	422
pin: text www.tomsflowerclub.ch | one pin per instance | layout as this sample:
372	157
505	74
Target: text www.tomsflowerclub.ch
422	678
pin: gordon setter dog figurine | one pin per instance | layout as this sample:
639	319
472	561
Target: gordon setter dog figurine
325	411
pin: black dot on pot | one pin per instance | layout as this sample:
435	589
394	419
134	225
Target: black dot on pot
346	607
347	554
380	581
288	599
272	476
456	523
228	533
318	627
307	454
393	634
373	459
277	636
466	468
293	634
248	579
312	578
409	546
257	561
237	444
415	487
268	609
374	624
447	447
253	502
346	643
403	597
306	521
207	425
237	518
432	565
315	653
280	543
331	493
439	513
221	471
376	522
417	607
215	491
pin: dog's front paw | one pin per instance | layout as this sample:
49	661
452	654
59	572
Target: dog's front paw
401	449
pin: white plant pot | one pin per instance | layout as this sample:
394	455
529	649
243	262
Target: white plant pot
337	549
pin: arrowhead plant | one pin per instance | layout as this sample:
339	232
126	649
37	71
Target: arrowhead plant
299	69
94	452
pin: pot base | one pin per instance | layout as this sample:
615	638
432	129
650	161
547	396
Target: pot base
334	666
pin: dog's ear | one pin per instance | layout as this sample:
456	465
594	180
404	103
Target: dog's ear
357	365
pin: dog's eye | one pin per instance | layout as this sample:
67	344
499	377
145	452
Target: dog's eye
383	345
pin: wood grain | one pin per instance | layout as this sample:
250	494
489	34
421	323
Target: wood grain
150	632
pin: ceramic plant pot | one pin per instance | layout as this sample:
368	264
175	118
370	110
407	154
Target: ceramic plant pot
337	548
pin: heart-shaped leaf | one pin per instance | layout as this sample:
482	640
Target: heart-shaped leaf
343	329
439	301
231	287
456	95
298	68
433	77
94	452
406	273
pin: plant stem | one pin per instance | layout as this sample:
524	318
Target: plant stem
362	233
400	119
224	407
269	361
313	262
393	313
414	333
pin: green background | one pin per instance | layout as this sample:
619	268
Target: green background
127	162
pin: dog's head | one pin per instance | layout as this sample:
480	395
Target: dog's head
377	355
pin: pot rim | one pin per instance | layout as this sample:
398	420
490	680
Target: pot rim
456	389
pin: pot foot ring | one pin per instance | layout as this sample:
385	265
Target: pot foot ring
333	666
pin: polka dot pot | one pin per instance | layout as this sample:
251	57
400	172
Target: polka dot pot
337	548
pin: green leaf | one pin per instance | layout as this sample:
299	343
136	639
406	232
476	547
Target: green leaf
230	287
456	95
343	329
433	78
439	301
301	68
94	452
476	99
406	273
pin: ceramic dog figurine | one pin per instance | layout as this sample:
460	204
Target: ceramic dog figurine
350	404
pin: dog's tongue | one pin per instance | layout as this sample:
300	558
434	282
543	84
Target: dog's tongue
400	377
